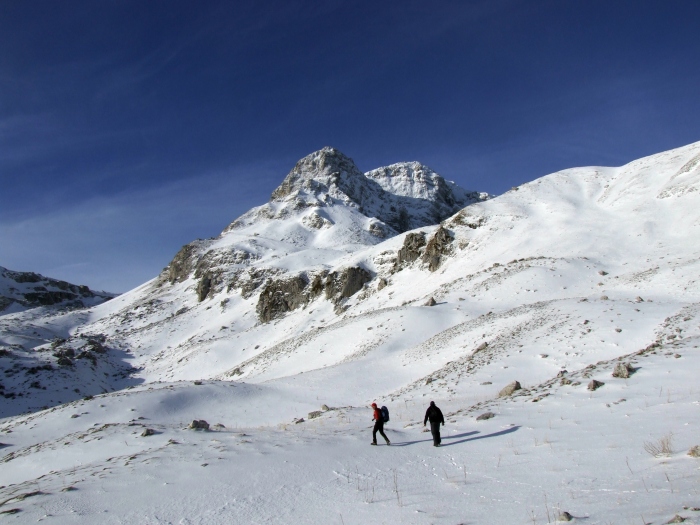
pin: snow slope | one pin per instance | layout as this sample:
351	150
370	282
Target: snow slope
552	284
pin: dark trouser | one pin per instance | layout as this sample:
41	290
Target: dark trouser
379	427
435	431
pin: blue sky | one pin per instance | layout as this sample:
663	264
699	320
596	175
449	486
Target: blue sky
129	128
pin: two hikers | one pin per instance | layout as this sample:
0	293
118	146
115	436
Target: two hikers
434	414
378	419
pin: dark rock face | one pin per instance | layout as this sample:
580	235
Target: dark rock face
281	296
49	298
183	263
437	247
203	287
346	283
410	251
285	294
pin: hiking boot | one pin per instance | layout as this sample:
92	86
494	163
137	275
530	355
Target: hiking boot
372	443
388	442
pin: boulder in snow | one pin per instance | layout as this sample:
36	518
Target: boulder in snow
595	384
199	424
623	370
509	389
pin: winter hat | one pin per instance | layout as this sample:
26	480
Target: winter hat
432	403
374	405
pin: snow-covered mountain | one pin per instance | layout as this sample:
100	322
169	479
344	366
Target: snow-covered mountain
20	291
581	286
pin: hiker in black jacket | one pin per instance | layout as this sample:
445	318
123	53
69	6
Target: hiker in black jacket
434	414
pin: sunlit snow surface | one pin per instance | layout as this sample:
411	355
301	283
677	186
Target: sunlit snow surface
570	272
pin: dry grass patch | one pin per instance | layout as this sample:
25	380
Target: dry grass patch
661	447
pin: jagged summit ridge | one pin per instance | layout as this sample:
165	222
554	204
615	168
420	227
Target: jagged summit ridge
403	196
327	171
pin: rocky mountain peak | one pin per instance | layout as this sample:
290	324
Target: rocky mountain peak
322	171
417	181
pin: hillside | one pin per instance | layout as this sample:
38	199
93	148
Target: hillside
319	297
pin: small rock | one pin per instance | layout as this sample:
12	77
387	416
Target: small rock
198	383
431	302
297	421
677	356
623	370
315	414
429	380
482	346
486	383
148	432
485	415
638	300
544	356
694	452
618	330
509	389
199	424
74	416
604	297
565	381
602	272
325	408
70	488
10	511
218	426
594	384
676	519
565	516
562	373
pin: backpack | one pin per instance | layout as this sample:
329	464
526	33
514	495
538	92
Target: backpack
385	414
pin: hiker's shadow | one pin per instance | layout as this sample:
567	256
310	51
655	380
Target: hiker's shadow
465	435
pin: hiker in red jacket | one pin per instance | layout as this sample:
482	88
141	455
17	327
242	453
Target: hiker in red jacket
378	425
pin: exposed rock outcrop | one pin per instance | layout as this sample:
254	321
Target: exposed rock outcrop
346	283
437	247
281	296
183	263
412	248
